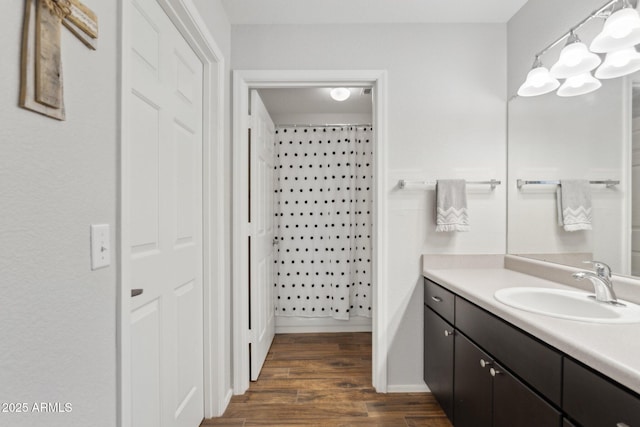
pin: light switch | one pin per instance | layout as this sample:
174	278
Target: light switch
100	246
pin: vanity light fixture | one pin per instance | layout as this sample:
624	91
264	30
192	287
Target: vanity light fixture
619	63
620	33
575	59
579	85
340	93
621	30
539	81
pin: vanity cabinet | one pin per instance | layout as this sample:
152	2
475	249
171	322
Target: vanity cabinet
470	361
487	394
593	400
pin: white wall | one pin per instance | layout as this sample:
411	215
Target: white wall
447	112
57	317
321	118
215	17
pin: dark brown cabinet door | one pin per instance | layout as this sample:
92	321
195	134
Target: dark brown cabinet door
515	405
594	401
472	385
438	359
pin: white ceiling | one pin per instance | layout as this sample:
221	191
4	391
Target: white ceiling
313	101
370	11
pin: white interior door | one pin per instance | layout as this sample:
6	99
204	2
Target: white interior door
163	189
261	156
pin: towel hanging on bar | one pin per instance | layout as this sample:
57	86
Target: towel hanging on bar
451	205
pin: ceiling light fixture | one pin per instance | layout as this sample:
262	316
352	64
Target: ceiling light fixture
340	93
620	33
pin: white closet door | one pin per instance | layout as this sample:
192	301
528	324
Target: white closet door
163	180
262	322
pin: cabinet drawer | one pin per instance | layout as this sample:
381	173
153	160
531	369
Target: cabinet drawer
439	299
592	400
537	364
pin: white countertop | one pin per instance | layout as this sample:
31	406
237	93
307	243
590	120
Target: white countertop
612	349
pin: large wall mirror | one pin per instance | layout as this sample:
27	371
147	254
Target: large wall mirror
584	137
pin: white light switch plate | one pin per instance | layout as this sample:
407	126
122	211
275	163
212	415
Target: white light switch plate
100	246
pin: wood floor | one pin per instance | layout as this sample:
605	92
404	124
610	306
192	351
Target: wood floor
325	380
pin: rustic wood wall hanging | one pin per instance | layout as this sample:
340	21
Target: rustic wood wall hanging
41	85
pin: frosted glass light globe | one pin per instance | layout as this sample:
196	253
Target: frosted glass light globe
340	93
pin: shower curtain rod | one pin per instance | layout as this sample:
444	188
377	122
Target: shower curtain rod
327	125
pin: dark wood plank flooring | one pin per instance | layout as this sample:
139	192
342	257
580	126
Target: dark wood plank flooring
325	380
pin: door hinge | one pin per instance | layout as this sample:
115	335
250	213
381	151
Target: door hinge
252	336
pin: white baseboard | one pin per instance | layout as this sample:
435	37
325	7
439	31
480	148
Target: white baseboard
407	388
302	325
227	400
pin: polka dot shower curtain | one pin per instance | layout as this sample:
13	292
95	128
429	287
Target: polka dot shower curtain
323	221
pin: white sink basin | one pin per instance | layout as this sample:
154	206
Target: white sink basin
565	304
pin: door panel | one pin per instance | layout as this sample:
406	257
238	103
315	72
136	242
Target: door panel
438	359
515	405
262	233
164	178
472	385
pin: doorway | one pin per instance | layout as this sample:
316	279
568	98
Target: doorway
322	209
244	82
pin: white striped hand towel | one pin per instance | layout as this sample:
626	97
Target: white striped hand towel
451	205
574	204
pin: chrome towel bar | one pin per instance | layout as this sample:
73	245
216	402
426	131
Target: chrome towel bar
608	182
404	184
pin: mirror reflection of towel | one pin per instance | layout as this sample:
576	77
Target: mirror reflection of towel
573	198
451	205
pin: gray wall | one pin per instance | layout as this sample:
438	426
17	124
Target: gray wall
447	108
57	317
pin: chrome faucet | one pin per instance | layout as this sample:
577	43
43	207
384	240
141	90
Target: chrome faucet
601	280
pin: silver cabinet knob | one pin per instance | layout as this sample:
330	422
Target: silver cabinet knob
436	299
494	372
485	363
622	425
448	333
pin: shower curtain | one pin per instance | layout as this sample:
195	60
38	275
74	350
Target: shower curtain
323	221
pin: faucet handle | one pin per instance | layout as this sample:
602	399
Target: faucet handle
602	269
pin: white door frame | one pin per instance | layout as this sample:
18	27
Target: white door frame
191	26
243	82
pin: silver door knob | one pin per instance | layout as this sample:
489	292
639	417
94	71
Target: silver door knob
136	292
436	299
448	333
485	363
494	372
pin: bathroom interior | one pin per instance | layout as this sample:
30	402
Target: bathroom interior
451	111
